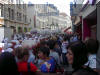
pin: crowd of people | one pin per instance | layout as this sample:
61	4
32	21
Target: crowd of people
34	54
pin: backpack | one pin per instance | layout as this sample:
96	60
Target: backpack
29	71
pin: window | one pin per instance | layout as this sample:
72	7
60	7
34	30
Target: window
9	12
17	16
12	11
30	20
25	18
24	6
20	16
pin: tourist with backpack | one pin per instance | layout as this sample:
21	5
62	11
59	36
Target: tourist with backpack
24	67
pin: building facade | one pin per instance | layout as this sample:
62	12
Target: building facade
14	15
47	17
42	15
65	23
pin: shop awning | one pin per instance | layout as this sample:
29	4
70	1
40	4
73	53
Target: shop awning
67	29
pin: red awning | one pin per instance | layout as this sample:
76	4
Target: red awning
67	29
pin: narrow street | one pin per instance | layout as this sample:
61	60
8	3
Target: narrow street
49	37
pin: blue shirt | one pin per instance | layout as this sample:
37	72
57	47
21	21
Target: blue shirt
44	67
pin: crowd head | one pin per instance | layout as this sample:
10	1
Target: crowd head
8	64
43	52
77	54
22	53
55	46
92	45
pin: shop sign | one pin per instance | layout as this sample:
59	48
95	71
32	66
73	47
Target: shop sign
67	29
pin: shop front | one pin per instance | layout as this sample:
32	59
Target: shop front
90	26
68	30
89	19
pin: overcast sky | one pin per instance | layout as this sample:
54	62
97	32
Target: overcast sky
62	5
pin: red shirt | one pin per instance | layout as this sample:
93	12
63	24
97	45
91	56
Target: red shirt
23	67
